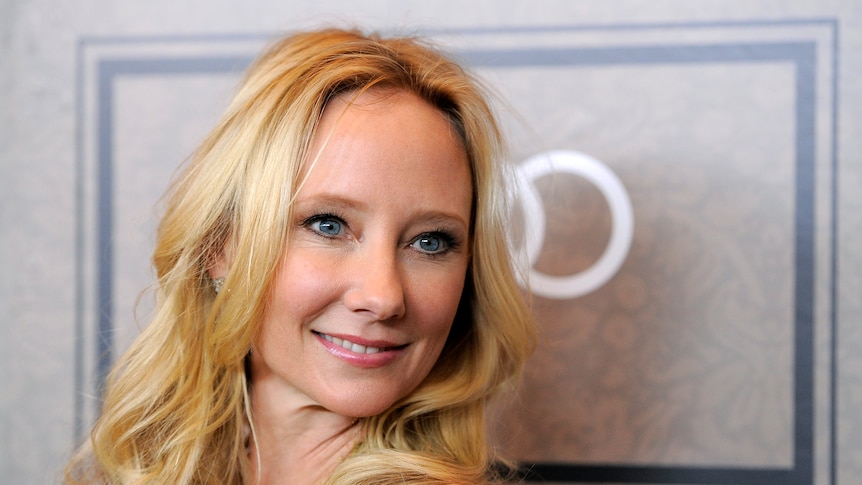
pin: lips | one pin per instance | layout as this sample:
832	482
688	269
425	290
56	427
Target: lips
356	347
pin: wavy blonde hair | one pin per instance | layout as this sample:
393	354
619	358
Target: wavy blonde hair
176	404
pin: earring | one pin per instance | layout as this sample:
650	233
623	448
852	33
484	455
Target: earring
217	284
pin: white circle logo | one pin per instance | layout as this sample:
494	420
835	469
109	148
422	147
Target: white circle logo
622	227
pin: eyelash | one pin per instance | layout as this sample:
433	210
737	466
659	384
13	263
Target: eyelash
307	223
451	242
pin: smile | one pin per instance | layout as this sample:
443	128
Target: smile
352	346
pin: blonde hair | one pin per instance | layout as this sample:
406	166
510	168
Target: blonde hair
177	403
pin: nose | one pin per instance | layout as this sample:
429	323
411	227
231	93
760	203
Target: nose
376	286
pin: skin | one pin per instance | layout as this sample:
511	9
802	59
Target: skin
377	256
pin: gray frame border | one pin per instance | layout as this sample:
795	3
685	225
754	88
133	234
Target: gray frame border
803	57
801	54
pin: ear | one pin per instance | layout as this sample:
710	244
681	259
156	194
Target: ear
220	266
218	269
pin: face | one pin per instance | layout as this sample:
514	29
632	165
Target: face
375	267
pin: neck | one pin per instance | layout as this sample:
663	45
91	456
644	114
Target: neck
297	441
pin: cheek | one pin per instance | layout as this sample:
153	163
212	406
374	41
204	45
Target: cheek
437	305
301	289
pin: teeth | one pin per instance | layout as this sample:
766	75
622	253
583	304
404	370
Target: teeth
351	346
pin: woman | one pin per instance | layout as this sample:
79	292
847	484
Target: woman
336	302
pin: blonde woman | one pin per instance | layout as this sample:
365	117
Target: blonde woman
336	301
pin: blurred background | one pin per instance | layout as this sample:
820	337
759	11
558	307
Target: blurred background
690	207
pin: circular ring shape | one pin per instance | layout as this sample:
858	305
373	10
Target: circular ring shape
622	221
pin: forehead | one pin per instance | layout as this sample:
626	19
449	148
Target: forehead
380	100
387	141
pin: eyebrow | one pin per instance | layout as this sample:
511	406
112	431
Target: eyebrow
333	200
438	217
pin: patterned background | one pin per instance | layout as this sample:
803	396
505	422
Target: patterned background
725	349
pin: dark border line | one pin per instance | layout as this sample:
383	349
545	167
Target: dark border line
557	472
806	176
639	55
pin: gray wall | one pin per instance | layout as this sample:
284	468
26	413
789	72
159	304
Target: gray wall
720	343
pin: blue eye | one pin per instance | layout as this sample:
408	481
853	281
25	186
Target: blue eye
429	244
329	227
326	225
433	243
